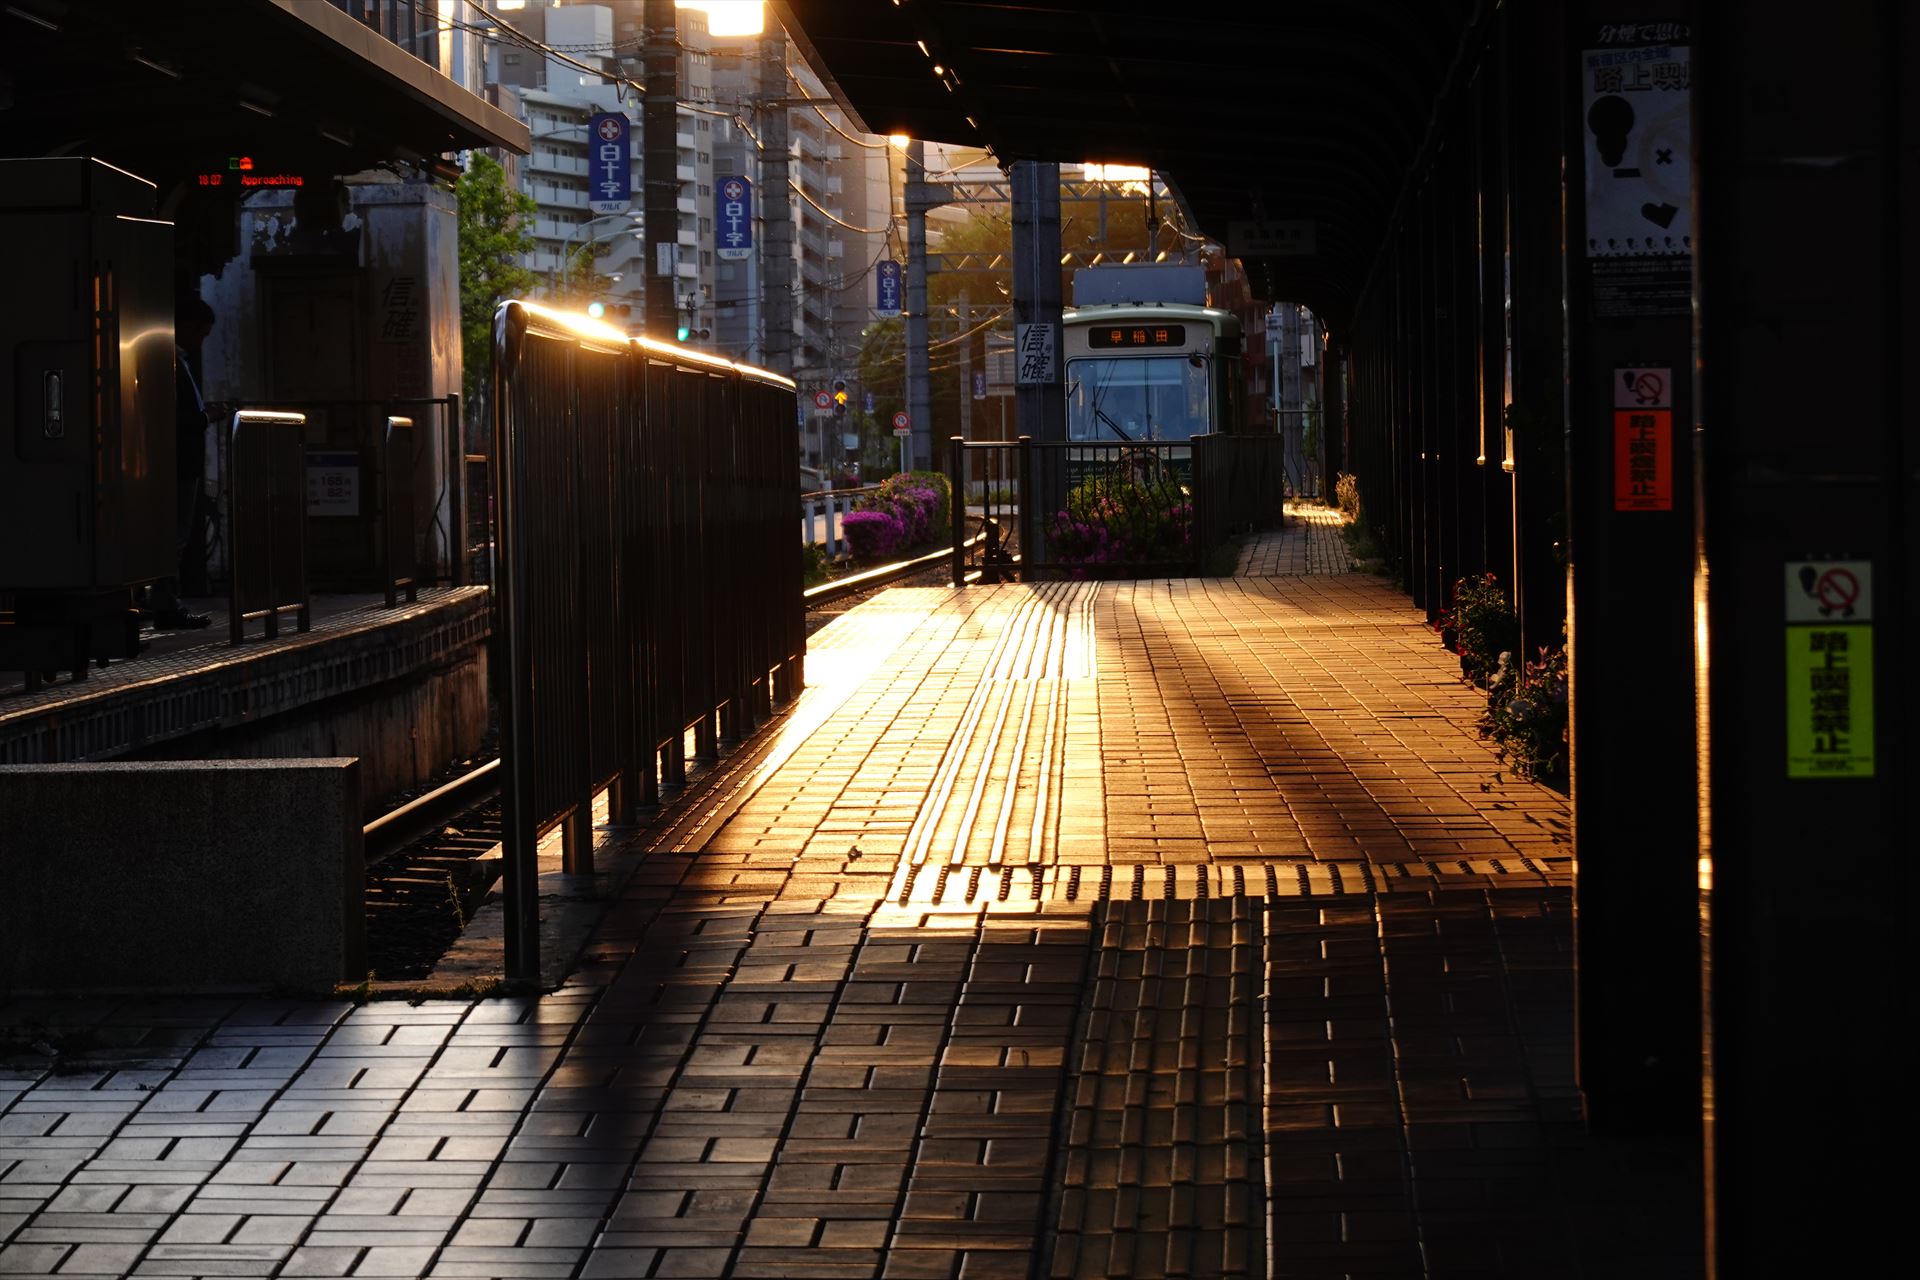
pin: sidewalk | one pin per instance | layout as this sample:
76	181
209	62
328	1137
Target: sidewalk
1096	929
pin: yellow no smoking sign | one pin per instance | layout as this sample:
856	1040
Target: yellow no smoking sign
1829	617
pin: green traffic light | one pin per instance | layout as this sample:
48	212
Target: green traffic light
682	332
596	310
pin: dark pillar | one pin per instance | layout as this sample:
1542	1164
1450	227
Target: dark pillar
1495	462
776	203
917	200
1807	448
1631	598
1040	404
1533	113
660	158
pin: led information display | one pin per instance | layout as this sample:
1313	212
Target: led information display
1137	335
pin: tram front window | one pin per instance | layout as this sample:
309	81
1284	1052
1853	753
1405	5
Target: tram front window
1119	398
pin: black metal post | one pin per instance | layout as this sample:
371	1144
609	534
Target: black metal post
1030	552
957	481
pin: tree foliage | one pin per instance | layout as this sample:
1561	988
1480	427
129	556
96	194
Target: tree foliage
1120	228
496	234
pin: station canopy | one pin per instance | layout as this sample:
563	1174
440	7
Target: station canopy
172	88
1287	130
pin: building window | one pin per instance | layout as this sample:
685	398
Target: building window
706	259
705	190
706	226
704	157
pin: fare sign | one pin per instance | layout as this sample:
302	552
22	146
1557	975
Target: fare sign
733	218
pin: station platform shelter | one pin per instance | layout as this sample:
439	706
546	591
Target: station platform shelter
1175	927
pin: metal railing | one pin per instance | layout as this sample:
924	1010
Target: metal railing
828	506
266	539
1241	479
645	582
1066	509
397	571
346	543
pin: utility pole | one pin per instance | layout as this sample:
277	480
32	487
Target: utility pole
966	368
919	390
1040	404
775	252
661	163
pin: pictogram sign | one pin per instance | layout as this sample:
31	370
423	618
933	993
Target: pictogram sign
1643	439
1829	632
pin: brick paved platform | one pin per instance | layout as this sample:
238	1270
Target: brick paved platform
1155	928
187	681
1309	542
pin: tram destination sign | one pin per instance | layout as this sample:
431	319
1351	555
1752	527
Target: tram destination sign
1137	335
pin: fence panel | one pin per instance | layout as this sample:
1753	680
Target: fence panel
266	539
1123	510
645	581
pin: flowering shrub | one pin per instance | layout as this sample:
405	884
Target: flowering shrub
905	511
1479	626
873	534
1526	716
1123	518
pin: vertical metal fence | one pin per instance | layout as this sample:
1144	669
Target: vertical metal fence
267	523
346	542
646	585
397	571
1067	509
1240	481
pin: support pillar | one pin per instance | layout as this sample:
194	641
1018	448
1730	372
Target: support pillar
1630	623
660	164
1807	452
918	200
774	252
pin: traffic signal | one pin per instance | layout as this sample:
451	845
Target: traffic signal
620	311
596	310
681	334
839	397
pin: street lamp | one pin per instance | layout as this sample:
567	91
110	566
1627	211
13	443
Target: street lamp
566	249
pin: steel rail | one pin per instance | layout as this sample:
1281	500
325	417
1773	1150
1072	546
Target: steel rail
394	830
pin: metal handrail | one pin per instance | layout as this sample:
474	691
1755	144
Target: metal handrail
267	521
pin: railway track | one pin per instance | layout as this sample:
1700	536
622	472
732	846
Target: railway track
433	859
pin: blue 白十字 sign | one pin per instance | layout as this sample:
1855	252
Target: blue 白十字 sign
609	164
733	218
886	288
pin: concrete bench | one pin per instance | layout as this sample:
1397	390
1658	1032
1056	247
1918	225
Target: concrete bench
181	875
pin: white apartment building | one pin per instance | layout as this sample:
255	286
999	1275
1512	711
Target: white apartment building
556	100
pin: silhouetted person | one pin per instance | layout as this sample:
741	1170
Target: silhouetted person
192	322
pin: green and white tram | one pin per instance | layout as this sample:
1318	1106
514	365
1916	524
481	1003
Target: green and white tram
1139	372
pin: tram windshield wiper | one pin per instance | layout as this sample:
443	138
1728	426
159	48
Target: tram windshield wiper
1101	414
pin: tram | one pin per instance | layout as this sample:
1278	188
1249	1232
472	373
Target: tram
1143	372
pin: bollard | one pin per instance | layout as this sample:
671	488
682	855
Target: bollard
807	505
